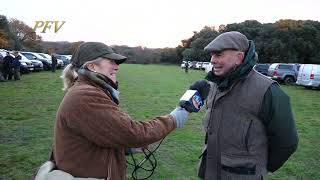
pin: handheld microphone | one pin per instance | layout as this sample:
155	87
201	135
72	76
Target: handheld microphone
191	101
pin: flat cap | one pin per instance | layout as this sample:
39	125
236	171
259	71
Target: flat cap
91	50
229	40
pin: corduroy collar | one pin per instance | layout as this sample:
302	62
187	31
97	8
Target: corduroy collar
102	81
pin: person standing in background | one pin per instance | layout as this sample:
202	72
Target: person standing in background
7	64
1	69
16	66
54	62
186	67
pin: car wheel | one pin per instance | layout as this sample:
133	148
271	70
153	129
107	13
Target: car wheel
288	80
308	87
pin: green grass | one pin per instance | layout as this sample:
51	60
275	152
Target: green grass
28	107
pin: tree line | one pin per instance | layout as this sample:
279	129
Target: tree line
287	41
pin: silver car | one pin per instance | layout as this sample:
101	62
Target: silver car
286	73
309	76
48	57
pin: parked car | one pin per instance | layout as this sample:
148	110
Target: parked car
34	56
26	67
262	68
207	66
198	65
47	56
286	73
37	65
192	64
309	76
3	53
183	64
30	64
64	58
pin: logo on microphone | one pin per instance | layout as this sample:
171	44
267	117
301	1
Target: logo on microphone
197	101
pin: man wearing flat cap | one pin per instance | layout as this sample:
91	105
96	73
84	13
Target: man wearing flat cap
249	125
91	131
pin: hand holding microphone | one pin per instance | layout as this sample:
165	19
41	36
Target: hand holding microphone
193	99
203	87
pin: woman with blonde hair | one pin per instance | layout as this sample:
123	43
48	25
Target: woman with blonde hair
91	131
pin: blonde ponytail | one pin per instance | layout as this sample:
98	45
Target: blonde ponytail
69	75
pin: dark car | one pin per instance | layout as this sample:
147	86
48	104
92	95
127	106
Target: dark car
262	68
24	69
64	58
35	56
192	64
37	65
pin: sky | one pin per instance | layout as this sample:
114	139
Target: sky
149	23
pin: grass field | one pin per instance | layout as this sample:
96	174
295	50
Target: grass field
28	107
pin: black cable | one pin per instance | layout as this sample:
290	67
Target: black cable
148	157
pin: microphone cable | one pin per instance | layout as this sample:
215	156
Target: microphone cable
148	157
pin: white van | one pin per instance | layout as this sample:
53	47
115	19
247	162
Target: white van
207	66
199	65
309	76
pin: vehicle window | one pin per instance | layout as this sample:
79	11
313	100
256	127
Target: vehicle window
285	66
273	66
24	57
316	69
42	55
307	68
29	56
262	66
37	55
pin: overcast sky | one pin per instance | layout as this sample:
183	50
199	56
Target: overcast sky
150	23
